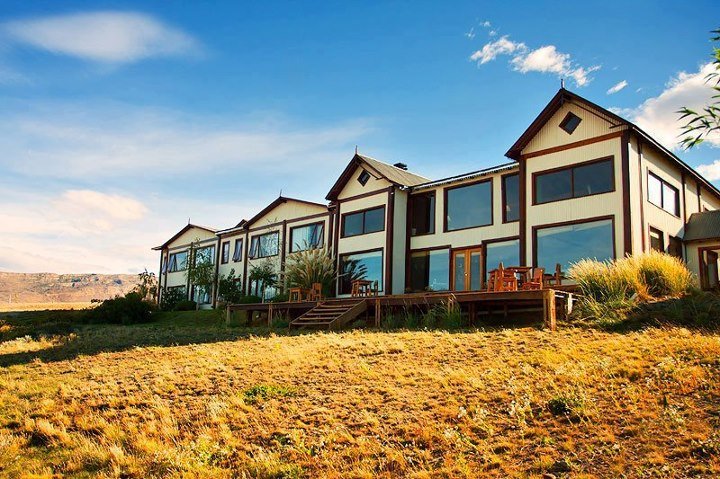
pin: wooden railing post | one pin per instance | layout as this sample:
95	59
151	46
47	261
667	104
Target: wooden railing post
549	311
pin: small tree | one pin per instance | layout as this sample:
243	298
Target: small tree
701	125
147	286
200	269
230	288
304	268
264	275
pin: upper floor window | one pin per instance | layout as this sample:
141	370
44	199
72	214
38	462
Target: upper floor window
177	262
225	252
468	206
422	214
306	237
205	255
584	179
570	123
237	252
363	178
362	222
264	245
663	194
511	197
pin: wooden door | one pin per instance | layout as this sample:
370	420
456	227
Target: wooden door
466	269
712	269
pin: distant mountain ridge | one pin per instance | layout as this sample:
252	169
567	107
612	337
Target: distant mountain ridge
62	288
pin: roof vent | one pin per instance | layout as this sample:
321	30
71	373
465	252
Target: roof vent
402	166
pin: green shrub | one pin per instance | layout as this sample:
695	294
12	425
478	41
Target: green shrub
170	297
279	298
128	309
444	315
663	275
250	299
263	392
230	288
185	305
313	265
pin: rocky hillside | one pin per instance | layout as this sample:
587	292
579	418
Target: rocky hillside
61	288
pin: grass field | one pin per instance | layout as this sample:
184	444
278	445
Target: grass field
18	307
189	397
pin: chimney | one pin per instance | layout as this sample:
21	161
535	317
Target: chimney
402	166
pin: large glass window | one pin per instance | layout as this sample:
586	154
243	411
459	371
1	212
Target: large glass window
237	252
367	266
362	222
306	237
205	255
575	182
511	198
468	206
568	244
422	211
505	252
262	246
663	194
177	262
430	270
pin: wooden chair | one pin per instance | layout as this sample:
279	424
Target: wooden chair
315	293
502	279
536	280
554	279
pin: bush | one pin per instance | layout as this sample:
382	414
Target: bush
128	309
230	288
663	275
444	315
171	297
250	299
313	265
185	305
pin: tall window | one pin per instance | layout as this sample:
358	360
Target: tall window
505	252
657	241
430	270
225	252
177	262
663	194
205	255
265	245
468	206
201	295
584	179
511	197
422	211
306	237
257	288
367	266
237	252
363	222
570	243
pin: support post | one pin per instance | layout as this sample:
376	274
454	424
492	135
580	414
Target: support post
549	312
270	315
377	313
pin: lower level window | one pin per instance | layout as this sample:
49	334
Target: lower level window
263	291
505	252
675	247
366	266
430	270
201	295
657	241
569	244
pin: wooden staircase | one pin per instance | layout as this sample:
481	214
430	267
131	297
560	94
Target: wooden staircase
331	314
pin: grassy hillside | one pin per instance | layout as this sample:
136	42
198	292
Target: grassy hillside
189	397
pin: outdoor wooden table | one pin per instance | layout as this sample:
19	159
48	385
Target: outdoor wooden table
298	294
361	287
522	273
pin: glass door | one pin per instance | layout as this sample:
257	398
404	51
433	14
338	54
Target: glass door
467	269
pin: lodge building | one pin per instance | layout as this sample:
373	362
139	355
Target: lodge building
582	183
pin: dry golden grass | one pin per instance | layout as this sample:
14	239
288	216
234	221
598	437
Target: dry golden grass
11	307
515	403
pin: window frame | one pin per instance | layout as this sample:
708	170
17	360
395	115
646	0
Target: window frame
663	183
429	250
594	219
293	228
464	185
340	256
566	121
432	193
658	232
261	235
364	177
485	244
201	248
169	262
504	198
240	242
363	212
225	254
535	175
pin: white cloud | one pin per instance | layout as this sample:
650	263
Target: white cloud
112	37
491	50
617	87
546	59
711	171
470	34
658	115
486	24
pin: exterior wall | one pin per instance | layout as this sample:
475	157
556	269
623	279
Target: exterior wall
182	243
399	241
224	269
692	254
600	205
354	188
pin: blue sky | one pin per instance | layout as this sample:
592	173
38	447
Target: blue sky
121	120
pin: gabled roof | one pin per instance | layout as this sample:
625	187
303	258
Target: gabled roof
187	227
232	229
393	174
702	226
563	96
277	202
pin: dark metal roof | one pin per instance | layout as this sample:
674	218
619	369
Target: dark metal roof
703	226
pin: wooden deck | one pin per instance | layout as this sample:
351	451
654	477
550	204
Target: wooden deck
551	303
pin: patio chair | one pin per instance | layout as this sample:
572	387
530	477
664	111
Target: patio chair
315	293
536	280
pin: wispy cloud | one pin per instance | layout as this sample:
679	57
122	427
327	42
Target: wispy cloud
108	36
617	87
710	171
546	59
